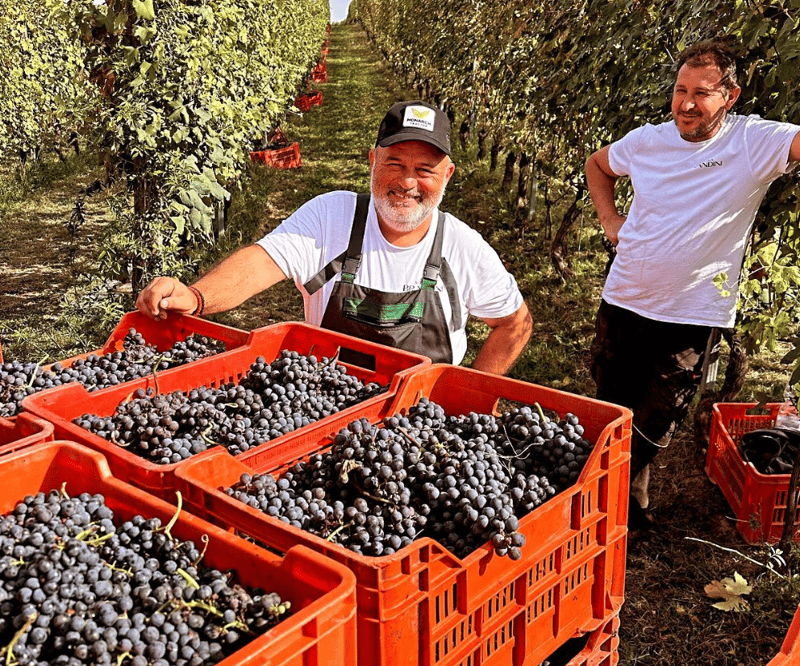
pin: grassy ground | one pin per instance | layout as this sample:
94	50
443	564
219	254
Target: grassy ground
667	618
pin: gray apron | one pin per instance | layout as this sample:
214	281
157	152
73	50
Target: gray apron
413	320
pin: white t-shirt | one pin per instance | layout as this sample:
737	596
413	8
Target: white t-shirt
319	231
692	210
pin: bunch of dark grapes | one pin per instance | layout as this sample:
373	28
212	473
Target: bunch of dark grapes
458	479
272	399
78	587
556	449
136	359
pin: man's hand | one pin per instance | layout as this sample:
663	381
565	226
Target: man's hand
164	295
611	225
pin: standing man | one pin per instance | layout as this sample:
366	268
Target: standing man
698	181
390	267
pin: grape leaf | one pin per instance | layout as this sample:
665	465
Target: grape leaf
731	591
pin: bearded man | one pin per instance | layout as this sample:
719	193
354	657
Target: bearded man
698	180
389	267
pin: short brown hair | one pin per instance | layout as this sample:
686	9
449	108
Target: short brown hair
712	52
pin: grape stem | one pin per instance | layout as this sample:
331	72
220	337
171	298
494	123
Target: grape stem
33	373
411	438
335	532
174	519
155	372
205	541
188	578
9	649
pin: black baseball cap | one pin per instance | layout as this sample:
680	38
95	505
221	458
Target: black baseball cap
415	121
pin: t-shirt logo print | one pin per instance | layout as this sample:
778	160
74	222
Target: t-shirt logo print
420	117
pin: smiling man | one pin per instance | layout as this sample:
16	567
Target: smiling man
698	181
389	267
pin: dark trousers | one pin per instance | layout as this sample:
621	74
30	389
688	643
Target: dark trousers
654	368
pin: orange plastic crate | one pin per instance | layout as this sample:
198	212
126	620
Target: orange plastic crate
287	157
423	606
24	430
602	647
790	650
320	631
305	101
164	333
319	74
758	500
380	364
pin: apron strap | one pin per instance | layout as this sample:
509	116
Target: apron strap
433	264
347	262
449	282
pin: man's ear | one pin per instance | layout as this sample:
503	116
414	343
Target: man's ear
449	171
372	155
733	95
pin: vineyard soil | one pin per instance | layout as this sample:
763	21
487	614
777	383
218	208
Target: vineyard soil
667	618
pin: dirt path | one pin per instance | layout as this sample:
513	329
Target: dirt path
38	259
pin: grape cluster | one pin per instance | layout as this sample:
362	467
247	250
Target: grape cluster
272	399
79	587
136	359
556	449
459	479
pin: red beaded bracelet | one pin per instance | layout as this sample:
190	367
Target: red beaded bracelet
201	302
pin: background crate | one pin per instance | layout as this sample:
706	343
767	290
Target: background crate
383	365
305	101
758	500
24	430
423	606
321	628
165	333
790	650
287	157
320	72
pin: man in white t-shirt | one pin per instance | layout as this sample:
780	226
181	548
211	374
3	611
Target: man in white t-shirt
388	267
698	181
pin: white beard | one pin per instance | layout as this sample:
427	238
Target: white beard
399	218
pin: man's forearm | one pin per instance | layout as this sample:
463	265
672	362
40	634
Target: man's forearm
505	342
601	183
243	274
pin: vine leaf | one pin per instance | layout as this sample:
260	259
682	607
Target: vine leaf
731	591
144	9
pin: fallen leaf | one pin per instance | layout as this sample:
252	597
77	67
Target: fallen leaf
731	591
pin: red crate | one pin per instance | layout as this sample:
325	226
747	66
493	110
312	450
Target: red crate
423	606
383	365
287	157
602	647
319	74
305	101
165	333
24	430
790	650
320	631
758	500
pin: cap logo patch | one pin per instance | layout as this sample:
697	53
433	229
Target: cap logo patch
419	117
